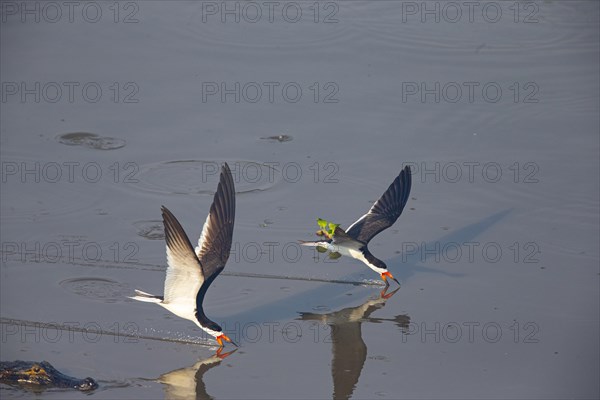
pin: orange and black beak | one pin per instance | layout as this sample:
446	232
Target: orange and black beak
387	275
222	337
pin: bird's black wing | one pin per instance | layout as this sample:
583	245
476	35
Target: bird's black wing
385	211
215	241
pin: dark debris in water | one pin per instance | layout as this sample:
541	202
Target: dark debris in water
91	141
278	138
266	223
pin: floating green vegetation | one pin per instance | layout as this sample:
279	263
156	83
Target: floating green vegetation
326	228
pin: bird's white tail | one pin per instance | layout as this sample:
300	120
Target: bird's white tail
146	297
313	244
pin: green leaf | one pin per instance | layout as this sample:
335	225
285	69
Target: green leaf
332	228
322	223
321	249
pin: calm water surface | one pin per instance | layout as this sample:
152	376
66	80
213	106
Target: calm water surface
118	108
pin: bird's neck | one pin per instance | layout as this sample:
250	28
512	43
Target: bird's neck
373	262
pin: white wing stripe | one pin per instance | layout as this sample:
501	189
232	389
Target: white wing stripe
358	220
203	236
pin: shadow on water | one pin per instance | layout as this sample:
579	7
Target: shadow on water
403	266
420	253
187	382
349	350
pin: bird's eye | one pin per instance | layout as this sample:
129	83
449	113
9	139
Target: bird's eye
36	369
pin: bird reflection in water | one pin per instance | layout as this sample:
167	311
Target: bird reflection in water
187	383
348	348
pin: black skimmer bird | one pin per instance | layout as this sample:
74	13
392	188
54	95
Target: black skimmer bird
354	241
190	271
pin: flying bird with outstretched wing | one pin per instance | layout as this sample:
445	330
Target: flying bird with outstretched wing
354	241
190	270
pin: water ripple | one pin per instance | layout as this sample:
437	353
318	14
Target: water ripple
99	289
201	176
151	229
